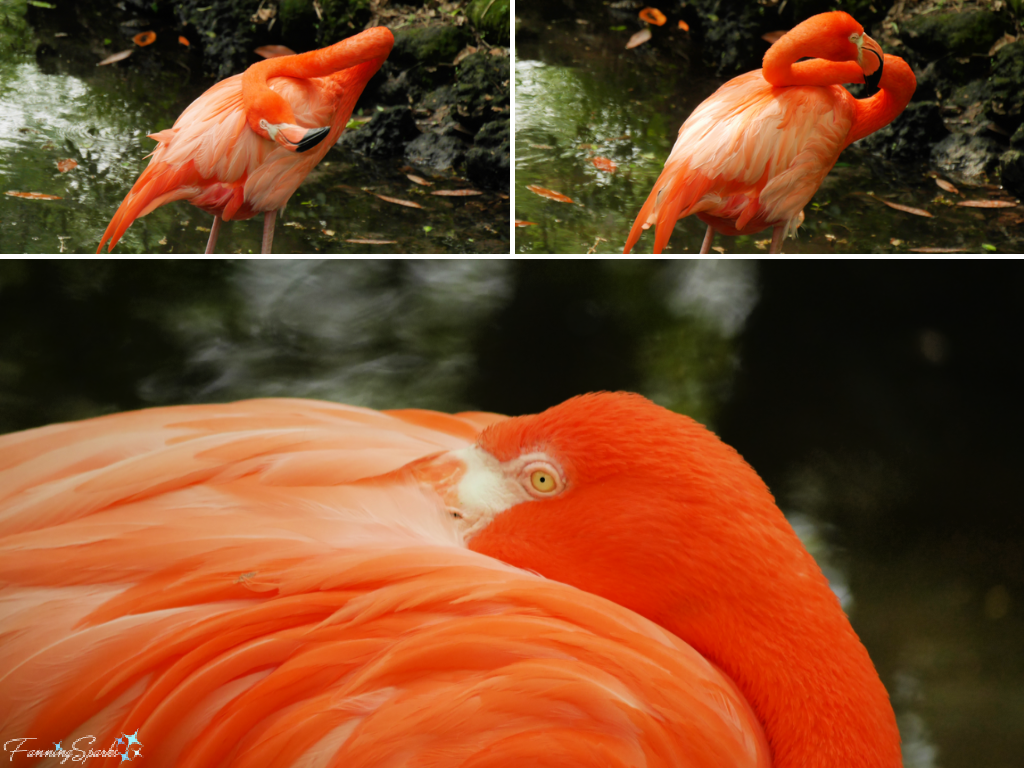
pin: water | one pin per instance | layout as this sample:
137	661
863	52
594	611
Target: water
878	401
56	104
580	95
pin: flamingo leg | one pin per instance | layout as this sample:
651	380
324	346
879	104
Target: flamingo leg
268	230
777	236
214	230
709	238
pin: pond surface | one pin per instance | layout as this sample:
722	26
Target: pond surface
878	401
581	95
57	104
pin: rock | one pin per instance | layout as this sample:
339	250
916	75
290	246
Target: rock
482	88
953	34
965	158
428	46
910	135
227	36
1017	140
491	18
1011	171
384	135
487	162
1006	86
731	33
436	152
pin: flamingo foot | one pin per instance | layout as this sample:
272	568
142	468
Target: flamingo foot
268	231
214	230
709	238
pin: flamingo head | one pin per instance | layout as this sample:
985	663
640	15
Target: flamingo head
837	36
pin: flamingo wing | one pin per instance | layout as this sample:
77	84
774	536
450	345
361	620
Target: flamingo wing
263	584
750	153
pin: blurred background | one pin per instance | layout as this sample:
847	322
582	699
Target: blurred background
880	401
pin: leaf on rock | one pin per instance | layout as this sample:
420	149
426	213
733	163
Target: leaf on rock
66	165
34	196
456	192
943	184
397	201
639	38
603	164
116	57
653	16
987	204
549	194
419	180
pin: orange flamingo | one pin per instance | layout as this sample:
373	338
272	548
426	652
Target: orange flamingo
297	583
753	154
244	146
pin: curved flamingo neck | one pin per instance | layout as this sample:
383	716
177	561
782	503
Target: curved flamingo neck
782	65
896	88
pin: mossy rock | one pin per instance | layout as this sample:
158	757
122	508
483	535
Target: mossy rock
1006	86
428	46
487	162
956	34
482	88
910	136
1011	171
491	18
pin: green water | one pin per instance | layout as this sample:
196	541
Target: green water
56	104
580	94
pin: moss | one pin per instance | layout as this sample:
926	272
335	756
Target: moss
958	34
428	46
482	88
1006	86
491	18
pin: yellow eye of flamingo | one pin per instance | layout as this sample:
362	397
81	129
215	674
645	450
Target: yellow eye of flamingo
543	481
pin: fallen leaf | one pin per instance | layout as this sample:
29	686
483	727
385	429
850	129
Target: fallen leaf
987	204
684	26
396	201
771	37
273	51
456	192
653	16
183	40
895	242
419	180
639	38
540	146
66	165
469	50
720	249
144	38
115	57
548	193
934	249
1004	40
904	208
943	184
502	195
328	232
357	241
604	164
163	241
293	224
34	196
521	223
202	229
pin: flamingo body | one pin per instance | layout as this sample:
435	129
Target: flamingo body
212	156
753	154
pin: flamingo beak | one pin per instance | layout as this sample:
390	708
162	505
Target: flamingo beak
872	65
295	137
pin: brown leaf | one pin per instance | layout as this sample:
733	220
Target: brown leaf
144	38
987	204
771	37
653	16
456	192
34	196
1004	40
469	50
943	184
273	51
639	38
397	201
115	57
684	26
904	208
419	180
548	193
934	249
603	164
521	223
360	241
66	165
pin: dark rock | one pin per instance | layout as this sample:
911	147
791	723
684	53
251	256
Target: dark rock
482	88
1011	171
428	46
384	135
731	33
953	34
224	29
910	135
1017	140
969	159
395	89
1006	86
487	162
435	152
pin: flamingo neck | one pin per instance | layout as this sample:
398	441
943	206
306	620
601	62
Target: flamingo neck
896	88
782	66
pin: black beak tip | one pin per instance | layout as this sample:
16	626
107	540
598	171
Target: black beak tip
875	79
312	138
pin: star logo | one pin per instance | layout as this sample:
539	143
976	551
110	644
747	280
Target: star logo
57	746
132	746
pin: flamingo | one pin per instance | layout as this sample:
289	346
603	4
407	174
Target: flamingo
288	582
752	154
245	145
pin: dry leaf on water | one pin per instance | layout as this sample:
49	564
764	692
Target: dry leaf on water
771	37
144	38
653	16
943	184
521	223
987	204
549	194
639	38
34	196
397	201
66	165
904	208
419	180
456	192
356	241
115	57
273	51
603	164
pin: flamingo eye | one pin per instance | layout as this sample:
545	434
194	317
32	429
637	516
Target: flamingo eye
543	481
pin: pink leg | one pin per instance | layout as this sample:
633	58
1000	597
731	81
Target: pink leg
214	230
709	238
268	231
776	246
